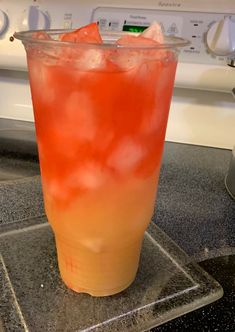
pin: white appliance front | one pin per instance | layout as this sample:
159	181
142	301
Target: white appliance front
202	110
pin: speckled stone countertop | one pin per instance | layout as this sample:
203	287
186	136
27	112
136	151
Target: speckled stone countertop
193	208
20	188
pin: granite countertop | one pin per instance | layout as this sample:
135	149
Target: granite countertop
193	208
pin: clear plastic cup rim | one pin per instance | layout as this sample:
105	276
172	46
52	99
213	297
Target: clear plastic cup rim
109	38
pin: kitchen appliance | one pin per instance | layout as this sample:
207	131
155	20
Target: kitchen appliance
202	110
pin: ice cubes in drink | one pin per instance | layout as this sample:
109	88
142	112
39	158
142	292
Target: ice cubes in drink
91	175
129	58
41	73
87	34
41	35
154	32
84	58
126	156
90	59
125	60
80	179
79	108
93	244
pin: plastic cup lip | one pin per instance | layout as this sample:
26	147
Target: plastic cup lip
27	37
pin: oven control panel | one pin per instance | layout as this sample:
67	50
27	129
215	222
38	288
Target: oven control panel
45	14
189	25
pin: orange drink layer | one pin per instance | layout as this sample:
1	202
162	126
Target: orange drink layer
100	114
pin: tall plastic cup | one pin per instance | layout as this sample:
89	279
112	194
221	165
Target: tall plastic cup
100	115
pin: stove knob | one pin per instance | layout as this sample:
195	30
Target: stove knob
221	37
3	22
34	19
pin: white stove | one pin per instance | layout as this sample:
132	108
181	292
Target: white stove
203	108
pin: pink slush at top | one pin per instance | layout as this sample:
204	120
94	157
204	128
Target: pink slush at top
89	36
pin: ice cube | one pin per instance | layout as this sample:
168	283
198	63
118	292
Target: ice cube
126	156
79	110
125	59
93	244
154	32
82	57
56	189
41	35
51	55
90	59
135	41
128	58
150	123
90	175
40	77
